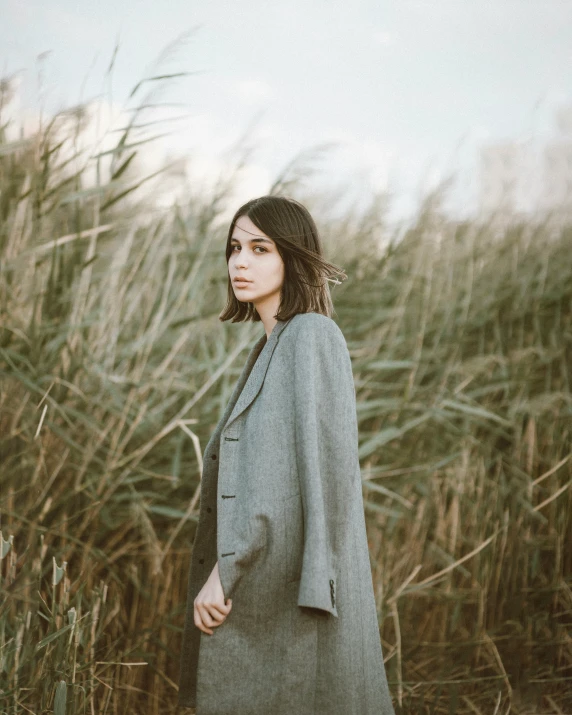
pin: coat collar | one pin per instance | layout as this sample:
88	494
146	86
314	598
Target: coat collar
255	369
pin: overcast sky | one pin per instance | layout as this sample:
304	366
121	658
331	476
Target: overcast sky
411	87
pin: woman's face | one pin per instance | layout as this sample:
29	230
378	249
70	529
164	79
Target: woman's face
255	257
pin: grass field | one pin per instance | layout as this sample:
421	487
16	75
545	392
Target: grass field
115	368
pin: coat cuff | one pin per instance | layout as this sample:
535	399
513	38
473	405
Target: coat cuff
319	593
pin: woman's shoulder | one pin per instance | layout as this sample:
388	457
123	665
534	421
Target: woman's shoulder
317	326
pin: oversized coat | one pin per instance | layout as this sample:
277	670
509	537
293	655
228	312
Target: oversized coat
281	510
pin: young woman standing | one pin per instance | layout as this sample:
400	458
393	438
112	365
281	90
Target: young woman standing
281	616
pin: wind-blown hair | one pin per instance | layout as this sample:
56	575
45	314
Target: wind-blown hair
306	272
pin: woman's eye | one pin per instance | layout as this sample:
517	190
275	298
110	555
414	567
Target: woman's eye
263	250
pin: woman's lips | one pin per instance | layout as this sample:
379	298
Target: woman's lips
242	284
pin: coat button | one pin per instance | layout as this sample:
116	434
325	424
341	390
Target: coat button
213	456
209	509
201	561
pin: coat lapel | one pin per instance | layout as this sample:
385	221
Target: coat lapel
250	360
254	376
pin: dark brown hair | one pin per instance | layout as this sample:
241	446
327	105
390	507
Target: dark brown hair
306	272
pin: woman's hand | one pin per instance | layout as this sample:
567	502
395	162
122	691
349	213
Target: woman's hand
210	609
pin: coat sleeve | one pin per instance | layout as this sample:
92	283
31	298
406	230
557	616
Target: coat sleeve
326	454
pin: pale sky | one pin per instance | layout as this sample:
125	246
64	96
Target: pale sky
413	88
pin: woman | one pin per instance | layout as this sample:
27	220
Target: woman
281	616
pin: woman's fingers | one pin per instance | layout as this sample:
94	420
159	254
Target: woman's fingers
213	616
210	615
210	609
199	623
218	611
204	621
226	608
200	618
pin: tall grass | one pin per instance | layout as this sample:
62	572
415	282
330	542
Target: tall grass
115	369
463	369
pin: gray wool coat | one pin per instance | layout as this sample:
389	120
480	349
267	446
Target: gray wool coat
282	512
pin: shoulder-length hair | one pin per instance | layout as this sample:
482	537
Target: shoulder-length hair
306	272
